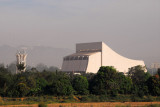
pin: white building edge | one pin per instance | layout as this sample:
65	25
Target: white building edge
89	57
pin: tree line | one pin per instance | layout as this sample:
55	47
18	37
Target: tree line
108	81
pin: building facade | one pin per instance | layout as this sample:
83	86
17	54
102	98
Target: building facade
89	57
21	59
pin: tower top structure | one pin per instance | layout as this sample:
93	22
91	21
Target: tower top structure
21	61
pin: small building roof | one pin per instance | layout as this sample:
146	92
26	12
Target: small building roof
82	54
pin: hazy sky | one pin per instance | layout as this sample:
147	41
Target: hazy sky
127	26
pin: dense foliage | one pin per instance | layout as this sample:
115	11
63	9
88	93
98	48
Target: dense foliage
107	82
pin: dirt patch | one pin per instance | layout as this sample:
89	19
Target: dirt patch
103	104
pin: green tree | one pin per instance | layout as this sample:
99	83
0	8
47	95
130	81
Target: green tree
80	84
19	88
5	81
138	75
158	71
154	85
20	67
139	78
23	89
60	86
41	67
110	82
3	69
38	90
12	68
105	81
125	84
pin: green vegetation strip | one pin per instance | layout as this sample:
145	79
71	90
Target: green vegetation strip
108	85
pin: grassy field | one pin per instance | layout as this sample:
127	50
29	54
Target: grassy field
84	101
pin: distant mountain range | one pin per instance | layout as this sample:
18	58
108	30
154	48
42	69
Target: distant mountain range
36	54
51	56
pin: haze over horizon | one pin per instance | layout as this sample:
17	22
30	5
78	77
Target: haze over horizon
131	28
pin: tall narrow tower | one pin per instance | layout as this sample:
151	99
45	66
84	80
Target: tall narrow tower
21	61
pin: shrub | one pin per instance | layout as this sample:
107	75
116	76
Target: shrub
114	93
103	98
42	104
149	98
85	99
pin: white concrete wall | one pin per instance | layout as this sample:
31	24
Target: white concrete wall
94	63
122	64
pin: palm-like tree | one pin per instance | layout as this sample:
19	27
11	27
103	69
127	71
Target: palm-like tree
20	67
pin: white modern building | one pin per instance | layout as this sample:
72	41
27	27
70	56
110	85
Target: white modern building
89	57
